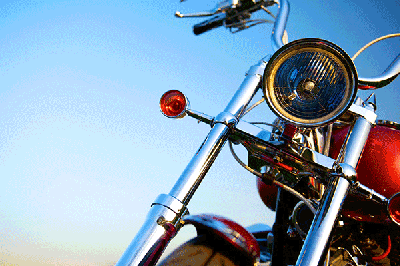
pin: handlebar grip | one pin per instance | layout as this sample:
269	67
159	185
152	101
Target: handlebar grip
210	24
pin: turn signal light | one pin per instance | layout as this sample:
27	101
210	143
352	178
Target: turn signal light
173	104
394	208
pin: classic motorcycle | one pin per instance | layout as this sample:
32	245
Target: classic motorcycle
327	167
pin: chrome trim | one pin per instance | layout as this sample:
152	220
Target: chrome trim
247	90
200	116
250	129
386	77
318	236
201	162
158	229
278	32
319	233
162	222
226	118
197	168
171	203
368	114
354	144
246	130
368	193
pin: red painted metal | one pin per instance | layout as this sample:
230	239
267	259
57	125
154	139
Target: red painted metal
379	166
378	169
228	230
268	194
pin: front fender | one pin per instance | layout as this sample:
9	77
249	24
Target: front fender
231	232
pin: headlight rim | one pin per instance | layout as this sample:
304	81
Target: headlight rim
317	44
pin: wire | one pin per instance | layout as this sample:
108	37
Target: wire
277	183
253	106
386	253
374	41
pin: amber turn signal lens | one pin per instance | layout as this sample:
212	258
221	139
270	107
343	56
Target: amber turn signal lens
173	104
394	208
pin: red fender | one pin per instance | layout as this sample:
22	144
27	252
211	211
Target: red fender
233	233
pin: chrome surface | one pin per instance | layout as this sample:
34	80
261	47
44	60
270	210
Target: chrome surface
171	203
367	113
262	140
318	236
153	233
368	193
354	144
244	127
203	159
278	32
310	82
386	77
197	168
226	118
246	91
200	116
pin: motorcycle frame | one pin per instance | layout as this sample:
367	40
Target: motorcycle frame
164	219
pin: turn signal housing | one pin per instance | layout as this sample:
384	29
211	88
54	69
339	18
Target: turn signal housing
173	104
310	82
394	208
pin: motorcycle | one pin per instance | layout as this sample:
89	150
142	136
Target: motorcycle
327	166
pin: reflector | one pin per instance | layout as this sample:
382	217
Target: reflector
394	208
310	82
173	104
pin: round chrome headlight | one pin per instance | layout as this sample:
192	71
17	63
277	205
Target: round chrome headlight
310	82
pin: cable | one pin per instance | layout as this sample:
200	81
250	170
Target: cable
375	41
277	183
253	106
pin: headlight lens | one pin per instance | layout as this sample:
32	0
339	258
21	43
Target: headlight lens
310	82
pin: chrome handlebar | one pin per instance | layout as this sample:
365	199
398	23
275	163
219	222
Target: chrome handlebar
386	77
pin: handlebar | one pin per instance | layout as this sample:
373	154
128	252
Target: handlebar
209	24
386	77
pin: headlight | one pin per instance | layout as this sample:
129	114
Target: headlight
310	82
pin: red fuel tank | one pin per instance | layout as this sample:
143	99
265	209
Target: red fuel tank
379	166
378	169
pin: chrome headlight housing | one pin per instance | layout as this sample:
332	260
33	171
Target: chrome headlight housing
310	82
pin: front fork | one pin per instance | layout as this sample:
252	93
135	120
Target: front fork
163	220
317	241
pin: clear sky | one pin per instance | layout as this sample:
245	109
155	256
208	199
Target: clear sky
84	149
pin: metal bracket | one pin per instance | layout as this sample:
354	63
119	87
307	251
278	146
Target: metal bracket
174	205
258	69
226	118
346	171
365	112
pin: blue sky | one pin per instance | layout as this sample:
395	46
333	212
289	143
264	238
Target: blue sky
84	149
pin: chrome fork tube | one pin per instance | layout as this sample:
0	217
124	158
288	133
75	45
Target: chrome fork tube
164	218
318	236
202	161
